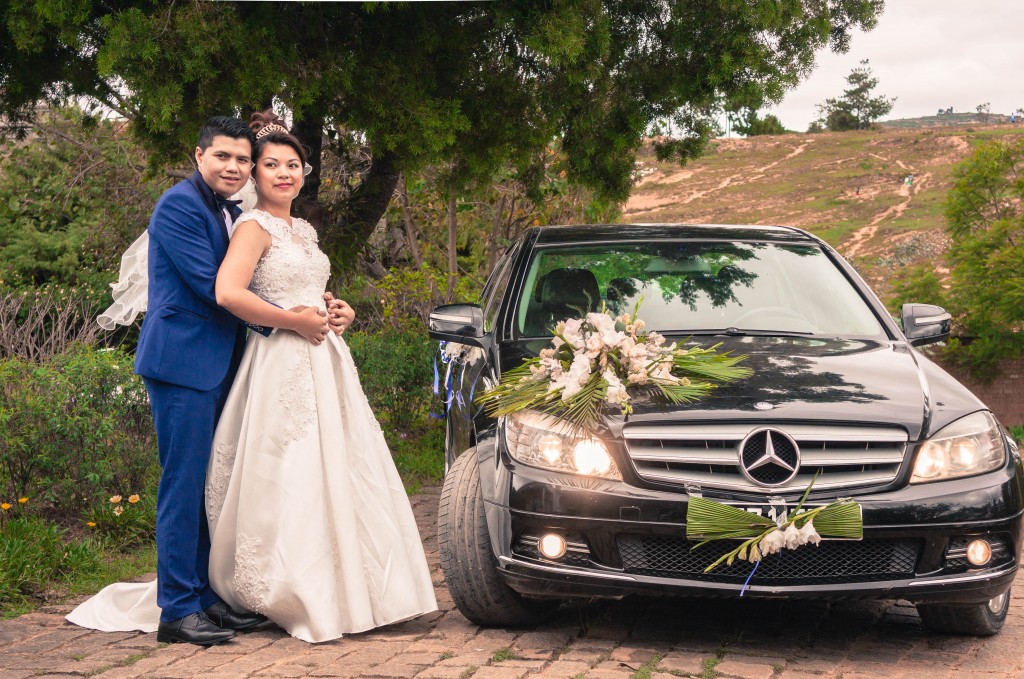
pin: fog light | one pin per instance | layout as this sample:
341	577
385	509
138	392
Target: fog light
979	552
552	546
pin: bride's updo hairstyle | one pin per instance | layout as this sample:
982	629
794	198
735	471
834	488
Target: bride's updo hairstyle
271	129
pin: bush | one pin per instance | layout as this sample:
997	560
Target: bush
71	201
396	371
74	430
39	324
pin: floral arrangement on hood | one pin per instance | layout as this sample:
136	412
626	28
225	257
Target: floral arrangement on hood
601	360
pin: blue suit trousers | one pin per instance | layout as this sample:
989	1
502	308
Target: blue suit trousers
185	421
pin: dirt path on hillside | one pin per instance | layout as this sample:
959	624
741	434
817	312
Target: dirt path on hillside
859	239
638	204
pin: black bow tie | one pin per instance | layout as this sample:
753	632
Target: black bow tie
226	203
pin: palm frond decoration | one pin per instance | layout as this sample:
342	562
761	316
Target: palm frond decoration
708	521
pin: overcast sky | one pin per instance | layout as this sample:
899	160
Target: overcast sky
929	54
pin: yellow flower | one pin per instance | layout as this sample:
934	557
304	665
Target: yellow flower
91	524
118	510
115	499
5	506
133	499
22	500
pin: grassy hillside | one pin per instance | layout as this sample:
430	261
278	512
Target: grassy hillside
847	187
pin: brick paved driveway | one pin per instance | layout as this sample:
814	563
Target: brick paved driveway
640	638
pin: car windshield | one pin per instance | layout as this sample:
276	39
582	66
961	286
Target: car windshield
696	287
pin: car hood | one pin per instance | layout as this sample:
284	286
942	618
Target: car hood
814	379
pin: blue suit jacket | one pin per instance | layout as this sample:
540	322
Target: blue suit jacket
186	338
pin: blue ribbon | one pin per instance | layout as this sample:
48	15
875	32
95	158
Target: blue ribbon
453	392
752	571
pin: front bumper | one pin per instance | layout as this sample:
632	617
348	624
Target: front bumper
626	539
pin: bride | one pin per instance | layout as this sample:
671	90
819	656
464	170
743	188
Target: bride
309	522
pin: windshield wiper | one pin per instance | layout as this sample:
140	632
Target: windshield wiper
738	332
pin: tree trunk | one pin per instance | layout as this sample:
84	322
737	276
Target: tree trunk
346	233
310	131
492	238
410	227
453	243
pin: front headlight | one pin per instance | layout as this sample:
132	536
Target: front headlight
971	445
543	441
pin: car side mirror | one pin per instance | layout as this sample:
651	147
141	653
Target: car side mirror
462	323
924	323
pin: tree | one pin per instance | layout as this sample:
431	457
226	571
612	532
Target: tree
751	125
985	295
470	86
856	109
983	111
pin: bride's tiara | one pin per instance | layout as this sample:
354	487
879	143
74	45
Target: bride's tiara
270	129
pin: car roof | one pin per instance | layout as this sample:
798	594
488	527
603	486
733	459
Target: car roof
619	232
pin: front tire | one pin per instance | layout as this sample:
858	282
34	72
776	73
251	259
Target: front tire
469	565
982	620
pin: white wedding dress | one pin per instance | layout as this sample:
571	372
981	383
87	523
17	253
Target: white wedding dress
309	522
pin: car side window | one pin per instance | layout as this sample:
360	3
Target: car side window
494	291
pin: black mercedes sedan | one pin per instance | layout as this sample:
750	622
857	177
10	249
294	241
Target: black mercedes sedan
532	515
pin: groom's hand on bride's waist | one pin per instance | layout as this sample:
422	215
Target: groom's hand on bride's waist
339	314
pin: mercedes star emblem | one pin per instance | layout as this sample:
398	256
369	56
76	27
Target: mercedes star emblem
769	457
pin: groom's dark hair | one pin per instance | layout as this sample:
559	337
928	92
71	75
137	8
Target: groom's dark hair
224	126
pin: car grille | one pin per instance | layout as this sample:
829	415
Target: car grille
833	561
706	455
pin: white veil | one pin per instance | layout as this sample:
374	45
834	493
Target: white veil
131	291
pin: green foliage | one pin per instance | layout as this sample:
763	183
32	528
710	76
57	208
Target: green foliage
468	87
986	227
856	109
74	430
395	369
419	457
1017	432
70	203
36	554
751	125
919	284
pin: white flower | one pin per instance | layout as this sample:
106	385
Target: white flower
572	380
772	543
792	536
453	349
809	535
616	393
612	338
594	346
655	338
601	322
637	376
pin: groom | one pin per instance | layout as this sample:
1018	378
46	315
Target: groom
187	355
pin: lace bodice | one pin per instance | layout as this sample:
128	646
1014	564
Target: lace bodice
293	271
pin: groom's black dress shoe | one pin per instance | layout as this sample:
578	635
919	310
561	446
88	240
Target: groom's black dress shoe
228	618
195	628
